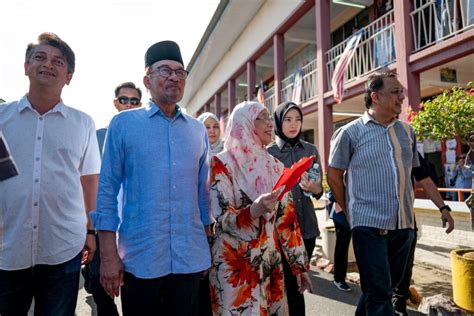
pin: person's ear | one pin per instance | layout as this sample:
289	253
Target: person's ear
68	78
375	97
146	82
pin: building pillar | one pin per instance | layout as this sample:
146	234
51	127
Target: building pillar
207	107
231	94
251	70
322	11
218	100
403	47
279	64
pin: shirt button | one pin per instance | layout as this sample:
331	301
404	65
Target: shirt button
39	138
174	163
41	118
34	227
36	180
174	187
35	204
37	158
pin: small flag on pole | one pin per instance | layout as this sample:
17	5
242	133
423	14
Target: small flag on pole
261	94
340	70
297	87
222	124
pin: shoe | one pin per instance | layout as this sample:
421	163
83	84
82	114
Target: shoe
399	305
342	286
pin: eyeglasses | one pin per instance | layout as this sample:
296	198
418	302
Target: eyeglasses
125	100
266	119
166	72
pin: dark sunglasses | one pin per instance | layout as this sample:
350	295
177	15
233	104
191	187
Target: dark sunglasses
125	100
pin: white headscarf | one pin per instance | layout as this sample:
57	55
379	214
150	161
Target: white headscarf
218	146
253	169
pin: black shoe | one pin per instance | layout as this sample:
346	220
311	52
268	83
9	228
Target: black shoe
342	286
87	279
399	305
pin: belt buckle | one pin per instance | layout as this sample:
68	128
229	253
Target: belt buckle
383	232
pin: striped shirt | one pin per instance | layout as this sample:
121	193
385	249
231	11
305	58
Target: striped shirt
378	161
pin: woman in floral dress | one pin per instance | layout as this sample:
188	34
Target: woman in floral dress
252	226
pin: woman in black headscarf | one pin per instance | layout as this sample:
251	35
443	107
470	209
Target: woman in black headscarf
289	148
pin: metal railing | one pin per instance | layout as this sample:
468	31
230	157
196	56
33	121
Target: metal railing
287	88
310	82
459	192
270	99
434	20
376	49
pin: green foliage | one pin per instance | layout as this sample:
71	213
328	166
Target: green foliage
447	115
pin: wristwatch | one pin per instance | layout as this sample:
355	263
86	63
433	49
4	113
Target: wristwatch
91	232
445	208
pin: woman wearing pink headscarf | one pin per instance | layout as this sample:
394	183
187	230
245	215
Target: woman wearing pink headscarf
252	226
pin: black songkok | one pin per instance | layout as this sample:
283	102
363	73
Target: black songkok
165	50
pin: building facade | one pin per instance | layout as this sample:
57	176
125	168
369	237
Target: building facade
264	43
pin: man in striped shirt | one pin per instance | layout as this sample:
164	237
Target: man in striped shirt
369	172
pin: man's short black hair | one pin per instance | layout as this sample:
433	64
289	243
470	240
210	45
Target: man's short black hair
130	85
375	83
52	39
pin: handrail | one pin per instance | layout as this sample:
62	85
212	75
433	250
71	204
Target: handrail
458	190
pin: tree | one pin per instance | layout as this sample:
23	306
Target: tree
447	115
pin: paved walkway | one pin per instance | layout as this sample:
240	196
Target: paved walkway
431	276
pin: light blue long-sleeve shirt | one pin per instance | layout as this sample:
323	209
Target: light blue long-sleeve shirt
163	165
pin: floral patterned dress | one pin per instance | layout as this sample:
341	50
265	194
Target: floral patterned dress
247	275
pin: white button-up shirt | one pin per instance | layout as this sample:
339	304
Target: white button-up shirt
42	215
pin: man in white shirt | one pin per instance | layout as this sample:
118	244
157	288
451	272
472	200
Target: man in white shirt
45	229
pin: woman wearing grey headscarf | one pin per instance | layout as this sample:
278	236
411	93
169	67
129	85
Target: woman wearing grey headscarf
211	122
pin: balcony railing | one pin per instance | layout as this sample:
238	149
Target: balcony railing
435	20
287	88
376	49
270	99
310	83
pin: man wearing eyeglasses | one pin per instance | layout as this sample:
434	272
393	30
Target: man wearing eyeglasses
160	155
127	96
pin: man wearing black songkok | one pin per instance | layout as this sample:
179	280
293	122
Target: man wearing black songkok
160	155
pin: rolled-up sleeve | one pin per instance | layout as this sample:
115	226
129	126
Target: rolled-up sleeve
110	179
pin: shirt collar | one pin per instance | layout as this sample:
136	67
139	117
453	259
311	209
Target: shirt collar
59	108
366	118
281	143
153	109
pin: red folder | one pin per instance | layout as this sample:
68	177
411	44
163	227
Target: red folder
291	176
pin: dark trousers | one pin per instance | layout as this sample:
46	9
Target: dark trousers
105	304
343	240
296	304
54	288
203	305
174	294
381	259
403	288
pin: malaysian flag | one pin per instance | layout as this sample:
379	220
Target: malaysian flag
222	124
297	87
339	73
261	94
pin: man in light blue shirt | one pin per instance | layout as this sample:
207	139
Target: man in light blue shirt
159	154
